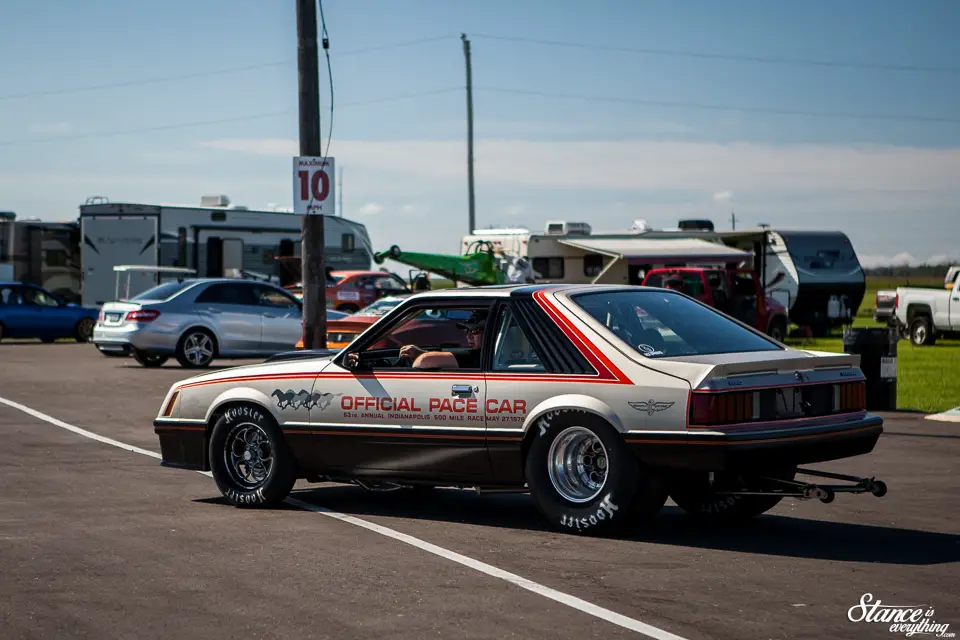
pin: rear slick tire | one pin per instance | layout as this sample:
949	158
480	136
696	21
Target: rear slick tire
249	458
693	493
584	479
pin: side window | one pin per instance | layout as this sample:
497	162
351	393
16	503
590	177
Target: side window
39	298
9	296
270	297
513	351
228	294
389	283
455	330
347	242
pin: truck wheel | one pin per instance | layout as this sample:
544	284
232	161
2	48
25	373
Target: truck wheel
584	479
197	348
249	458
778	330
921	333
693	493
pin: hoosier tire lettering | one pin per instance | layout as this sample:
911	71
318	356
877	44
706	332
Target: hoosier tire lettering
626	491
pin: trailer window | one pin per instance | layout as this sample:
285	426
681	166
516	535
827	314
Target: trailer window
592	265
551	268
347	242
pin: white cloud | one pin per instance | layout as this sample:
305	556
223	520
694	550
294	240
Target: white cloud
371	209
48	128
515	209
722	196
904	259
408	209
743	167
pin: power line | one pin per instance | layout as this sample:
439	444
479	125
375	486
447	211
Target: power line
717	107
680	53
202	123
213	72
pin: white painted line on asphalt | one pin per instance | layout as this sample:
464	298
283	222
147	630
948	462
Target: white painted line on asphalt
490	570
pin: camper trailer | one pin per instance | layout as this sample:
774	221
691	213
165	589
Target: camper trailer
43	253
815	274
570	252
216	239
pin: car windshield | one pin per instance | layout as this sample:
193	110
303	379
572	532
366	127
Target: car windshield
659	324
164	291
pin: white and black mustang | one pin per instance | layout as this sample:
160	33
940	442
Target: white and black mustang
600	401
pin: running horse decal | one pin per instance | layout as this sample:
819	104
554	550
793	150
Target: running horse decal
303	399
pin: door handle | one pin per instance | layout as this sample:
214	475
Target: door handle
461	389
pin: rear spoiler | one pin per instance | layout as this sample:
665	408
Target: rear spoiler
819	361
301	354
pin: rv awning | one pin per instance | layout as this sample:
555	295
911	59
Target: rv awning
658	251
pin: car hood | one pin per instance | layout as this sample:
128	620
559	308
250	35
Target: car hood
308	367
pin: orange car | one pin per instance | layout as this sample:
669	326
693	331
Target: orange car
350	291
343	331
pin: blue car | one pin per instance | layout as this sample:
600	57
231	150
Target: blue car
28	311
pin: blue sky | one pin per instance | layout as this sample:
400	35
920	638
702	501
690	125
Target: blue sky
890	184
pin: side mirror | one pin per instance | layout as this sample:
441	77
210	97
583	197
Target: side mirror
351	361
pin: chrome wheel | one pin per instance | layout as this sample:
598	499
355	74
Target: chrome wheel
919	333
198	348
577	464
248	455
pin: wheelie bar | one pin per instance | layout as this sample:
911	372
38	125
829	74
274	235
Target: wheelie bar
823	492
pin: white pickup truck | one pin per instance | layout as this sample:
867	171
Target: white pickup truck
928	313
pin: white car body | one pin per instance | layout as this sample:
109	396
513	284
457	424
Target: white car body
547	363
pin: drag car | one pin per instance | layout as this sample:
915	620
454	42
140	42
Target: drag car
601	401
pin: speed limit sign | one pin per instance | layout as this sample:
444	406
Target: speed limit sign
313	185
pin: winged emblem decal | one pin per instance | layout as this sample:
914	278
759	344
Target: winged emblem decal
651	406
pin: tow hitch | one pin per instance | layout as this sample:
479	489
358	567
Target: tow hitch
808	490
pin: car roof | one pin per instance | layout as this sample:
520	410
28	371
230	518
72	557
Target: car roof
523	290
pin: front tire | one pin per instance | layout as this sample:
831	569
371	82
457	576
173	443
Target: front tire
250	459
583	477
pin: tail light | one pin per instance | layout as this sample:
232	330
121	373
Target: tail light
710	409
850	396
143	315
100	317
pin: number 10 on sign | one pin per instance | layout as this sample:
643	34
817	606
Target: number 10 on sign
313	186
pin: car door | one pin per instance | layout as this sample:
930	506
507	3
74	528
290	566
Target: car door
18	318
386	416
46	318
955	306
232	309
282	318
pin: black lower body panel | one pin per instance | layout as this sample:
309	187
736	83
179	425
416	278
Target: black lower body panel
182	446
765	450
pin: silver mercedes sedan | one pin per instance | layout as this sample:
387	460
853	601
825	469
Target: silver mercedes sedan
199	320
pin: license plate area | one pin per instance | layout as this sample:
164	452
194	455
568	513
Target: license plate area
113	317
788	403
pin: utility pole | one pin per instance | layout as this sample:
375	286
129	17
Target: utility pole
466	57
312	260
733	220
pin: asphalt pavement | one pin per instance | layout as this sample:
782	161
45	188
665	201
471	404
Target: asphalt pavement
98	541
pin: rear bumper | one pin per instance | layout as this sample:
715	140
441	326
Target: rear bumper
751	450
131	337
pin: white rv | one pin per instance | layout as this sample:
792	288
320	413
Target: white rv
216	239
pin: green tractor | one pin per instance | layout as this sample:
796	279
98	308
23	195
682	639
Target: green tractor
479	266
